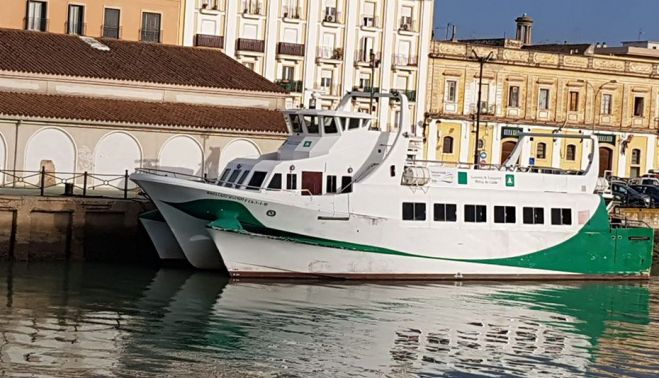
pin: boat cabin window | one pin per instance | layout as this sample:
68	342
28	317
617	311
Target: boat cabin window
561	217
242	178
312	124
504	214
329	125
296	124
475	213
256	181
330	184
534	215
350	123
224	176
445	212
346	184
414	211
291	181
232	178
275	182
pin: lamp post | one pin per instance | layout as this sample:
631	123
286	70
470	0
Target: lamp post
481	61
374	64
599	89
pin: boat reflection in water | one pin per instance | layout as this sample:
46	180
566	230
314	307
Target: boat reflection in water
95	321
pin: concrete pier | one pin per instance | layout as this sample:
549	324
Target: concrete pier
34	228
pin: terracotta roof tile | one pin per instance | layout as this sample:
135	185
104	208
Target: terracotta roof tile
58	54
141	112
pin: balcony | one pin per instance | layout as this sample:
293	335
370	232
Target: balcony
403	60
109	31
410	94
36	24
366	88
208	40
332	16
212	5
330	53
328	90
149	35
75	28
291	85
252	8
486	109
407	24
286	48
292	13
364	57
369	21
255	45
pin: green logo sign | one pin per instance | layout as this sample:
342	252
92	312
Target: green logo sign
510	180
307	143
462	178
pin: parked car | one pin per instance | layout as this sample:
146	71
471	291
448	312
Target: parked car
628	196
649	190
645	180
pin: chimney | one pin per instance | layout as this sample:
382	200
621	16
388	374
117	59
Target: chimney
524	29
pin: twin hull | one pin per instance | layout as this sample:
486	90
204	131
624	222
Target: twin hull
285	235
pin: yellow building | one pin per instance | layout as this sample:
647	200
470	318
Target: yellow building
580	89
133	20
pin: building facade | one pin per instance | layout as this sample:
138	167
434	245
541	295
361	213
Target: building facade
542	88
133	20
320	49
123	105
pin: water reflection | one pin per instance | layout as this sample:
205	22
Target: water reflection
109	320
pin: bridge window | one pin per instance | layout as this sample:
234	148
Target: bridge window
444	212
346	184
561	217
242	178
291	181
475	213
257	179
232	178
224	176
414	211
330	186
312	124
504	214
329	125
275	182
533	215
296	124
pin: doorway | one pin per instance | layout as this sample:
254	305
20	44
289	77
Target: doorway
507	149
606	160
312	183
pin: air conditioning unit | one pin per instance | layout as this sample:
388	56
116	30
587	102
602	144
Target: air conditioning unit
405	27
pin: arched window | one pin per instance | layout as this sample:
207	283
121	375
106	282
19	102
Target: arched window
447	147
636	156
541	149
571	152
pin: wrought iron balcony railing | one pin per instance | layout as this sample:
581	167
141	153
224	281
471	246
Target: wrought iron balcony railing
245	44
148	35
325	52
332	15
36	24
291	85
291	12
286	48
108	31
207	40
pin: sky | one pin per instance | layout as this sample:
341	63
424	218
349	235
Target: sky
556	21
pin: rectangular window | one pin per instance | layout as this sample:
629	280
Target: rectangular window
534	215
291	181
574	101
365	81
111	23
346	184
504	214
241	179
475	213
275	182
561	216
543	99
36	16
224	176
414	211
639	106
232	178
606	104
287	73
451	91
257	179
330	185
513	96
75	25
326	79
150	27
444	212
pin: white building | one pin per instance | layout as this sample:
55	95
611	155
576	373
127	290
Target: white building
323	46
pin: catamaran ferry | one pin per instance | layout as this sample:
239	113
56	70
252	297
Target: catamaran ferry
341	200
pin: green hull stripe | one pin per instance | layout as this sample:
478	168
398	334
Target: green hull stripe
595	249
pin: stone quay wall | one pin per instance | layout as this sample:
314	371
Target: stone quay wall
35	228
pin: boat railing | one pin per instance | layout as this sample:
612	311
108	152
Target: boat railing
166	173
498	167
618	221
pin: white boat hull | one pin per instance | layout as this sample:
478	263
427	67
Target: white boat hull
163	239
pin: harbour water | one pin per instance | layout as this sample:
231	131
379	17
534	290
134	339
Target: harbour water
118	320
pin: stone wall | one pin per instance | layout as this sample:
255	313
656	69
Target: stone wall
72	229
